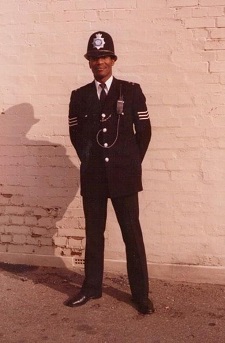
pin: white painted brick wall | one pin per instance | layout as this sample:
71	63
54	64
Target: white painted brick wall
176	50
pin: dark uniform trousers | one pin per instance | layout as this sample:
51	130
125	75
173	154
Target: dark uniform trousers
127	213
111	152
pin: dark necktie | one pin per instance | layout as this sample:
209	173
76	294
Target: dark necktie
102	94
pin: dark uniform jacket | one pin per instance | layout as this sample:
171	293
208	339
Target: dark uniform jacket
111	145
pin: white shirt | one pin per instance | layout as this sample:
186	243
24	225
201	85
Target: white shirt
107	86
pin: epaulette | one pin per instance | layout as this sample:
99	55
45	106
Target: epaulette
131	83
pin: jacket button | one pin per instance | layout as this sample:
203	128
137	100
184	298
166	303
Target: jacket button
105	145
105	129
107	159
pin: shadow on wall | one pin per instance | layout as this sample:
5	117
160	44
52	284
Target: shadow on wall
38	182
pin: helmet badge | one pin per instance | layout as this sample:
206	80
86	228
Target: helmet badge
99	41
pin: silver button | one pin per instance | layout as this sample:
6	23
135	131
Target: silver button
105	129
105	145
103	115
107	159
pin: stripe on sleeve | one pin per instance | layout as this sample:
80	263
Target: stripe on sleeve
143	115
73	122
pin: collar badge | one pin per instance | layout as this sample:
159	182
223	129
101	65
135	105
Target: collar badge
98	42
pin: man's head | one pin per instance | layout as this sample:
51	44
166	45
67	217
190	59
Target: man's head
101	55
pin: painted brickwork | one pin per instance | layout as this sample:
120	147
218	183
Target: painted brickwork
176	50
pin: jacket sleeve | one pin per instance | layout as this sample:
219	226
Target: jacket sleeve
74	121
141	121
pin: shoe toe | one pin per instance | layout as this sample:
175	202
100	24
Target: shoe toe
77	300
145	307
80	299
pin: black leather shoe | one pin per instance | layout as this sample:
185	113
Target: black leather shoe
144	307
80	299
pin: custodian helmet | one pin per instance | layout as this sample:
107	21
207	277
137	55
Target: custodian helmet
100	44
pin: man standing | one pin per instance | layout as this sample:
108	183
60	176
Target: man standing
110	131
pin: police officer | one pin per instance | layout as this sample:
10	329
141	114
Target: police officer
110	130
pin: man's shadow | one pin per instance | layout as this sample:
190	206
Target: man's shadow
38	183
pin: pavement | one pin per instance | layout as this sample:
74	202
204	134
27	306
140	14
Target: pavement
32	310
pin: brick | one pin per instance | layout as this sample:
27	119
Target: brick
123	4
64	16
91	15
18	210
2	228
14	229
219	121
32	240
106	15
158	165
71	232
31	221
199	12
220	22
8	160
211	2
183	164
32	6
220	55
75	243
60	241
19	239
3	248
209	56
4	200
16	200
25	249
169	121
222	78
221	143
6	238
185	175
213	173
39	231
46	241
179	99
89	4
183	12
215	45
81	226
182	3
159	175
200	22
208	11
45	250
216	11
216	67
217	33
40	212
18	220
46	17
151	4
45	222
4	219
189	132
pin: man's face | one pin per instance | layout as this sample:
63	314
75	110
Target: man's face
101	67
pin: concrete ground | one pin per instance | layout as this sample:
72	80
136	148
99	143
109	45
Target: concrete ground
32	310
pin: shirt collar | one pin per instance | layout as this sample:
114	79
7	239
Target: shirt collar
107	83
